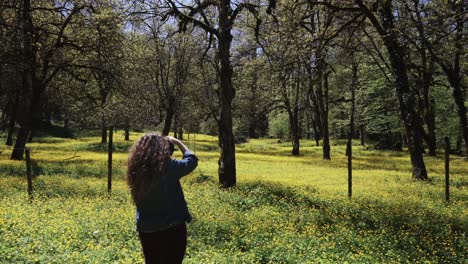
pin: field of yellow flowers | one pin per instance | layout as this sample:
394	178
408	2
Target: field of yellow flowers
284	210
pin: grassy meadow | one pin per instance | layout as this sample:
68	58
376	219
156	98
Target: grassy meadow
284	209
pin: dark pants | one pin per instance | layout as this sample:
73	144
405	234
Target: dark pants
167	246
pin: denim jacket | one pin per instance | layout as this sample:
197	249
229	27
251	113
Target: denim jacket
164	205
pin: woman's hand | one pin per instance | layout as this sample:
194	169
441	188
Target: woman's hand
178	143
172	139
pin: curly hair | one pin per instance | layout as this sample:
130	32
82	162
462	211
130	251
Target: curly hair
146	161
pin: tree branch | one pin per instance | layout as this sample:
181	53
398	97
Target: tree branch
185	19
368	13
250	7
58	41
334	7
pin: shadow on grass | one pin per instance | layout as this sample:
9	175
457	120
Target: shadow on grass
120	147
78	168
247	218
411	229
19	169
203	147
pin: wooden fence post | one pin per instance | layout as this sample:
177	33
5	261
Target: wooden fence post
349	148
109	159
447	169
29	173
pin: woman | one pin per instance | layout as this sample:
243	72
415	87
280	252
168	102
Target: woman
153	177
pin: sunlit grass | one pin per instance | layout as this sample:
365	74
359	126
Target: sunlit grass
285	208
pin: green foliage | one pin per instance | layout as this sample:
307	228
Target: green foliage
279	126
284	210
209	127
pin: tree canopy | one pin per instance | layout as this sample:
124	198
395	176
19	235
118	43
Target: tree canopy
390	73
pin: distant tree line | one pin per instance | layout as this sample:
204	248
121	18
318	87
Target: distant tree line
391	73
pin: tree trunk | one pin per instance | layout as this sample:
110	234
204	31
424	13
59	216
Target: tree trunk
66	128
103	132
168	121
227	160
294	127
363	135
406	98
428	103
315	105
44	115
423	83
4	117
35	112
458	144
354	85
20	144
11	125
29	97
431	126
293	117
316	128
252	115
458	96
127	133
18	37
4	121
324	117
454	74
176	124
8	106
180	134
31	135
11	130
252	128
455	78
